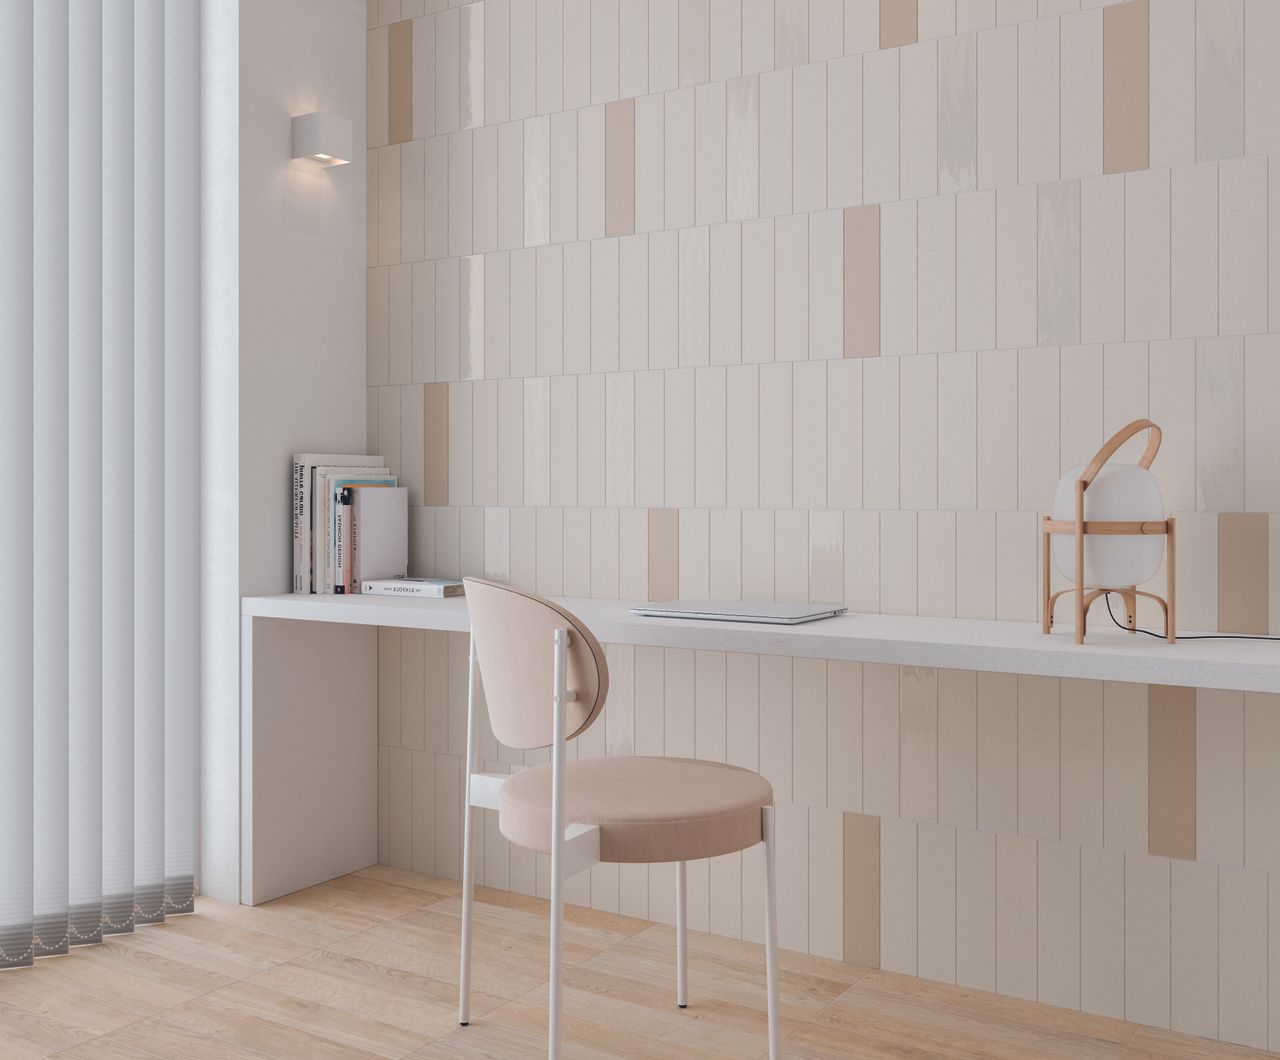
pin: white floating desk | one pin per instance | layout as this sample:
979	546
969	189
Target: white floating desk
307	775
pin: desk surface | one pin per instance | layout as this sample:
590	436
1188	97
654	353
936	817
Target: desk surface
955	643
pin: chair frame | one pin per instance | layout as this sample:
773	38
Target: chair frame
575	848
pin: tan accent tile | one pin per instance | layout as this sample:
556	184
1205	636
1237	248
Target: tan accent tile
620	168
435	433
1171	771
1126	94
862	889
1243	572
899	20
862	281
664	553
400	82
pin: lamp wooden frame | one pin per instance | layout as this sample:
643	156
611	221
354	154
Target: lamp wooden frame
1079	528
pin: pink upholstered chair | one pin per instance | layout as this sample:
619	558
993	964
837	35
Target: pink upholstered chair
545	682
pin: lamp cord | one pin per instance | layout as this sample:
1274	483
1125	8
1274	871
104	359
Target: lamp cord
1193	636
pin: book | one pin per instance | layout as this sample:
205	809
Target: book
327	482
431	588
377	538
304	467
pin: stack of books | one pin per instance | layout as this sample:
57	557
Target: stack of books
350	523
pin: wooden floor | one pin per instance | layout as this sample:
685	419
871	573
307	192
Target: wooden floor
366	966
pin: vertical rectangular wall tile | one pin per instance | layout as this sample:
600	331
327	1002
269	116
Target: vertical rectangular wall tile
826	883
880	735
998	752
436	440
957	748
1147	220
1220	776
1219	75
1102	931
1243	581
1194	250
1125	766
1242	957
1146	940
862	281
880	126
1039	138
976	909
844	131
898	23
809	135
998	107
862	889
844	736
400	82
1242	271
899	277
664	553
1126	87
936	903
918	723
918	81
1038	757
958	113
1102	249
1171	777
1016	252
936	304
619	174
976	270
1058	924
898	875
775	143
1058	265
1194	948
1219	430
1261	783
1173	82
1082	92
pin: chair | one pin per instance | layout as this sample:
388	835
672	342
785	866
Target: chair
545	680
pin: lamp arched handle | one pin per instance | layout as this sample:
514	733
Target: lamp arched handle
1115	442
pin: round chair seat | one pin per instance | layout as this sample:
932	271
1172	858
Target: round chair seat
647	809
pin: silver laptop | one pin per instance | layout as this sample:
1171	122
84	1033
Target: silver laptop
740	611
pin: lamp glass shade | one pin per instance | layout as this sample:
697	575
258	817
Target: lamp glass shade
1119	492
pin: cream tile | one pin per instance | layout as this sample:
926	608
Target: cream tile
898	882
664	299
497	62
1242	298
1081	104
1102	250
844	435
976	909
899	278
742	426
957	113
862	561
776	124
550	310
604	61
809	137
742	695
511	442
826	883
825	269
957	430
1194	948
726	554
793	878
1038	757
844	131
791	288
1058	316
633	302
936	308
389	196
678	417
918	85
564	177
791	33
377	327
1262	128
1102	931
998	753
880	735
460	435
997	432
919	748
975	564
678	702
710	705
1242	957
1080	393
471	53
726	39
726	294
1173	82
809	435
918	429
694	296
791	555
633	48
936	903
1220	798
537	442
664	32
776	733
776	414
510	185
844	736
957	748
899	569
809	731
1081	757
1125	381
376	61
861	26
1058	925
577	53
537	178
880	433
976	270
1219	79
710	153
448	60
1039	136
460	189
880	129
1147	940
591	440
549	56
1219	426
1038	445
997	109
633	533
1016	254
1125	766
936	563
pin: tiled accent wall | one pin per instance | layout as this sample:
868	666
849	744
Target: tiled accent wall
788	299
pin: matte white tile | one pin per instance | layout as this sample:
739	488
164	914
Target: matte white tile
1081	90
1016	253
1125	390
1125	766
1261	78
880	736
976	270
524	309
809	435
605	45
918	80
861	26
1147	221
650	164
742	385
1220	799
776	414
958	748
826	883
880	89
976	909
510	185
1102	257
1016	935
695	296
523	58
898	278
1146	939
1173	82
1242	300
710	150
549	56
695	556
826	285
936	18
604	294
1102	931
633	302
1038	101
998	752
844	434
1194	948
664	299
620	439
880	444
791	288
1219	428
678	157
537	437
757	554
460	193
448	71
936	903
591	440
757	290
1262	430
844	131
826	29
1194	249
1038	757
791	32
809	731
793	883
809	137
936	308
471	55
919	750
776	723
1038	459
564	177
862	561
448	304
550	309
726	554
1080	735
389	195
826	555
1058	925
537	181
844	736
958	113
776	124
1219	79
997	434
726	293
710	437
899	568
678	412
633	48
664	32
1242	957
577	53
997	107
726	39
918	429
742	147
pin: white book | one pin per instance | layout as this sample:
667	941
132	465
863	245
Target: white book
430	588
304	466
323	480
381	518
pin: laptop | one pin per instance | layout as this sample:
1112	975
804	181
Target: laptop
740	611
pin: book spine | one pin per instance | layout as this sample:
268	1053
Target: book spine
299	570
353	547
308	530
430	591
342	560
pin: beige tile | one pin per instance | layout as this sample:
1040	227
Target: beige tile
400	82
862	889
1171	771
1126	91
898	23
664	553
620	168
436	444
1243	577
862	281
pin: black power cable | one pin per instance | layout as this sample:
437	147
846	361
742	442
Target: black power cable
1193	636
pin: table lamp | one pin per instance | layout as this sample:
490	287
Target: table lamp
1107	533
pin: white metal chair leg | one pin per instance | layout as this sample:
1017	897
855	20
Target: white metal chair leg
767	815
682	936
555	1000
468	813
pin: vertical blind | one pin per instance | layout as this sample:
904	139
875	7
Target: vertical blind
99	341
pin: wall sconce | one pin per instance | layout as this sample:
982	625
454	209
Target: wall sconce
323	137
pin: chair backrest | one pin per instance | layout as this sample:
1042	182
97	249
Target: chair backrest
513	633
